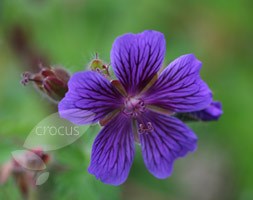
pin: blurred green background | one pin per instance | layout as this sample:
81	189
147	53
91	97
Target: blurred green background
69	32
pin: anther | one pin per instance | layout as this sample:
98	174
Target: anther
145	128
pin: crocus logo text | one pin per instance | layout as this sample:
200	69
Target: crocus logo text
53	130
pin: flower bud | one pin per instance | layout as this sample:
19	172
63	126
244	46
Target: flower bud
99	66
51	81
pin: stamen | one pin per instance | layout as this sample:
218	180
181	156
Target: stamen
145	128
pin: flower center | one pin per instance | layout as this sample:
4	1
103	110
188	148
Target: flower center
134	106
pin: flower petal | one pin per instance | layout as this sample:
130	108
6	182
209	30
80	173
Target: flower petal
180	87
168	140
136	58
211	113
90	98
113	151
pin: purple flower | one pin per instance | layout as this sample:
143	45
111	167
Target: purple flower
138	107
211	113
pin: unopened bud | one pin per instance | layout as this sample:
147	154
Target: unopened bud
99	66
52	81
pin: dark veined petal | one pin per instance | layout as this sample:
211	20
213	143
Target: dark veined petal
211	113
180	88
136	58
113	151
90	98
168	140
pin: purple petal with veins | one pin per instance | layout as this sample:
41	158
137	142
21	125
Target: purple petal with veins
136	58
179	88
90	98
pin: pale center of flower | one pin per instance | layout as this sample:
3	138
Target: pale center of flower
133	106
